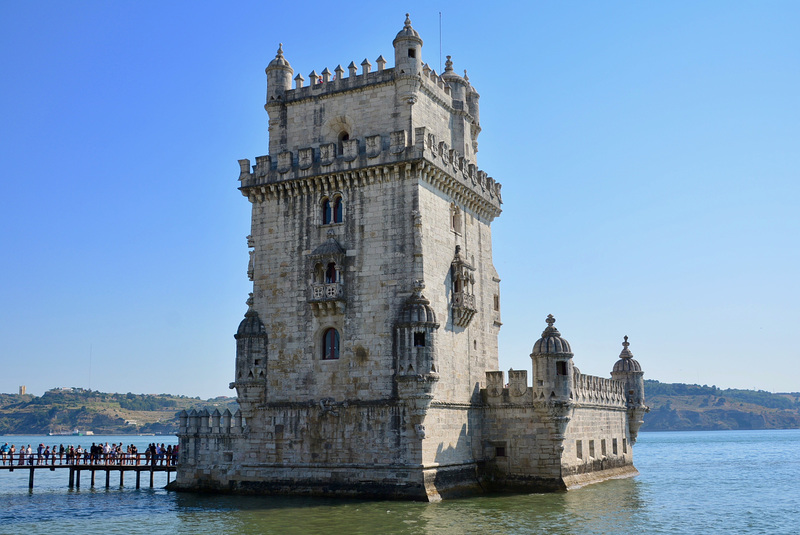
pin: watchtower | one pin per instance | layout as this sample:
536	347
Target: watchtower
371	262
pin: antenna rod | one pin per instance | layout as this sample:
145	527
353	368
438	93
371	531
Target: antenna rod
440	41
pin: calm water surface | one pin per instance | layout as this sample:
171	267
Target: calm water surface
737	482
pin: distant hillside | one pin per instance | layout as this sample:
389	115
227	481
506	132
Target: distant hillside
682	407
673	407
65	410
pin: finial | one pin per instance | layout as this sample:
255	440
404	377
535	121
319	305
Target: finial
550	320
249	301
280	51
465	75
408	21
626	353
448	65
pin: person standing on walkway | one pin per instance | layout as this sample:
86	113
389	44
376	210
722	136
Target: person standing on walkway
4	451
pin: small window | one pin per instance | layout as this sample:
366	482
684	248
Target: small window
603	447
496	302
331	274
343	136
500	451
257	362
561	368
591	448
412	53
614	446
419	339
579	449
624	445
330	344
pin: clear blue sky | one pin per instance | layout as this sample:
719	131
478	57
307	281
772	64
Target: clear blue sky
649	154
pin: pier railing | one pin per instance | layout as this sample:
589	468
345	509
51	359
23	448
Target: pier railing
103	462
24	459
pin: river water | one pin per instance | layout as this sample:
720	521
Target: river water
738	482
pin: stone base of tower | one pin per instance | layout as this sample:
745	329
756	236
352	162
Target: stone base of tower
575	481
392	483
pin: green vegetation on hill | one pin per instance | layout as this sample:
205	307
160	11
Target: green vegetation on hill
683	407
66	410
673	407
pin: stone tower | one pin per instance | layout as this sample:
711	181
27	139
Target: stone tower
375	305
364	357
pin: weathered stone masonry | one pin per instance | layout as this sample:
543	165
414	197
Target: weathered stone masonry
363	363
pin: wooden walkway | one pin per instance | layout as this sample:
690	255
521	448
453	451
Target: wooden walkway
137	464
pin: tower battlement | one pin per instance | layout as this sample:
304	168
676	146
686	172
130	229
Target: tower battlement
329	108
368	160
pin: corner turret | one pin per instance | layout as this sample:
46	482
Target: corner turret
407	50
251	361
629	371
458	86
279	77
552	365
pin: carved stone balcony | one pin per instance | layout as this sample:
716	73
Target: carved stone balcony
463	308
327	299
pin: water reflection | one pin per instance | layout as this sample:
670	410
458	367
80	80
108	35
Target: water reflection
614	506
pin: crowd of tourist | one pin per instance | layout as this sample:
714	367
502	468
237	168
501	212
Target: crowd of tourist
95	454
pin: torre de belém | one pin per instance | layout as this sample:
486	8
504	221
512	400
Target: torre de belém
365	363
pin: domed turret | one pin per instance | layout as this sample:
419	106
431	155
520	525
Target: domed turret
551	342
251	360
552	365
458	86
626	362
251	325
407	50
279	77
629	371
418	311
415	332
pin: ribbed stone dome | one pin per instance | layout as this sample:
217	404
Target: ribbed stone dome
279	62
449	75
551	342
418	311
626	362
407	32
251	324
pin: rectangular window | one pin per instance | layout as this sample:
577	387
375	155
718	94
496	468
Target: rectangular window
579	449
500	451
496	302
603	447
624	445
419	339
591	448
614	446
412	53
561	368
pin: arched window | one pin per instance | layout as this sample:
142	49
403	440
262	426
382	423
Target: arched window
326	211
343	136
338	205
330	344
330	273
319	273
